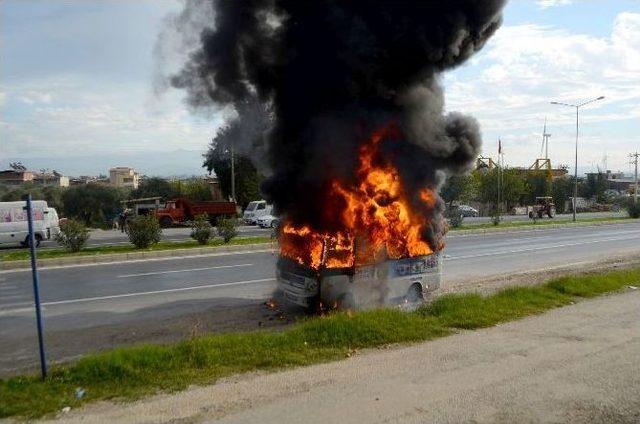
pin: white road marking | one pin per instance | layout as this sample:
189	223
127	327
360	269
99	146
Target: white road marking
132	261
18	311
118	296
143	274
531	249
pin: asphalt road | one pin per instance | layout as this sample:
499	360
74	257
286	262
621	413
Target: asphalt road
92	307
115	237
577	364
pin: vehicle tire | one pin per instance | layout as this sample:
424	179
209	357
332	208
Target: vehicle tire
165	222
27	241
346	301
414	294
552	212
540	214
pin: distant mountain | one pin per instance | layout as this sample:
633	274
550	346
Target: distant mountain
151	163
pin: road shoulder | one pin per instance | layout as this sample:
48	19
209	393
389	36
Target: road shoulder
577	364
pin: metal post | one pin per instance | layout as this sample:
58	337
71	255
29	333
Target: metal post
36	288
575	171
233	174
635	162
635	193
499	186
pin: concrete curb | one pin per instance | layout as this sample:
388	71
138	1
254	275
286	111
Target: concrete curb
196	251
121	257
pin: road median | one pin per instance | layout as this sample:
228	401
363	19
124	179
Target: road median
133	372
103	255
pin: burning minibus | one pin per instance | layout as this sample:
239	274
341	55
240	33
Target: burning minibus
340	106
359	286
384	247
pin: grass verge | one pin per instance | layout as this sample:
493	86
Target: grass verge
103	250
129	373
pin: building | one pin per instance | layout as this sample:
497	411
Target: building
16	177
124	176
53	179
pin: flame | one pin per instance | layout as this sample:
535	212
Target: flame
378	217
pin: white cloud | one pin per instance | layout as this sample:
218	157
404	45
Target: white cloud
72	116
545	4
3	98
34	97
524	67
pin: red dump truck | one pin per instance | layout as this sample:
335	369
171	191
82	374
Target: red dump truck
179	211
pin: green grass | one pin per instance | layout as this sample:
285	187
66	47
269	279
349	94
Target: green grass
17	255
132	372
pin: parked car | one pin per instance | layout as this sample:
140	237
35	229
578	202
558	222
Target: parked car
255	210
268	221
468	211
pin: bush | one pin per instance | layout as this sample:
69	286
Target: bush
227	228
201	229
633	209
144	231
495	217
455	218
73	235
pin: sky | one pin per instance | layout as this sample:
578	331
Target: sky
78	86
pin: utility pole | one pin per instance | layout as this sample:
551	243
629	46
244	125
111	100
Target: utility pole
233	174
634	160
575	171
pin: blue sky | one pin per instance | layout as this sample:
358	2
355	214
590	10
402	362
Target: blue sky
77	81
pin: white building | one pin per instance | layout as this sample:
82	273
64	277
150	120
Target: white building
124	176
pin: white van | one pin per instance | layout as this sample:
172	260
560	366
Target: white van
14	227
255	210
52	222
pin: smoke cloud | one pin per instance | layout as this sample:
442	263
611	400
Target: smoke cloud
332	72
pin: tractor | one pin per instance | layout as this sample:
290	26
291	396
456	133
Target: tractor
544	206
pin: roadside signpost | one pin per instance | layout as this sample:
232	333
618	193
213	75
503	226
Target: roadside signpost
36	288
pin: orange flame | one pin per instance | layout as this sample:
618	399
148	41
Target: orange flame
378	218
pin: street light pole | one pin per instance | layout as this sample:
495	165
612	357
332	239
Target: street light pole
233	174
634	160
575	168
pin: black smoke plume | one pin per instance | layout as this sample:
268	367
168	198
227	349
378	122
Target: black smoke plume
333	72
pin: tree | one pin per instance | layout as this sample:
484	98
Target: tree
513	186
52	194
218	160
459	188
96	205
193	189
594	187
562	190
538	185
246	134
155	187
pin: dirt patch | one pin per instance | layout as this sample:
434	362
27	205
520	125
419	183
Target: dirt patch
494	283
